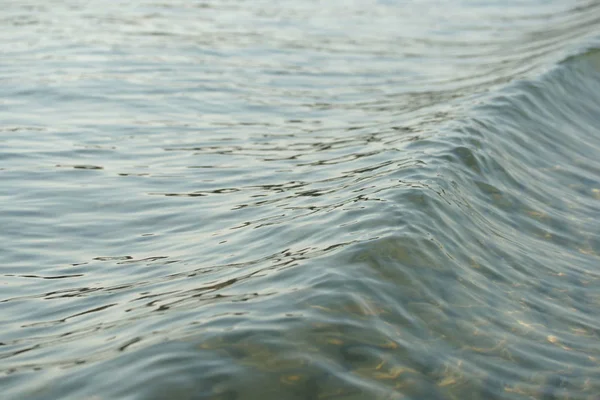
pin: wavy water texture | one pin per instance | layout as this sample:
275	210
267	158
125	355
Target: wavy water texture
309	200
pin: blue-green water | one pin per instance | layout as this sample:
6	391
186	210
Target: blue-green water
300	200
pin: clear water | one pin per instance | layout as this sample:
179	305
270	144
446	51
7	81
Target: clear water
300	200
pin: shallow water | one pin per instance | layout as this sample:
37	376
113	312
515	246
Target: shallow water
300	200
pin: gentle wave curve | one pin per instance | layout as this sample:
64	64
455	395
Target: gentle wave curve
234	209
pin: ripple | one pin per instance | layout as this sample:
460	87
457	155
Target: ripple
309	200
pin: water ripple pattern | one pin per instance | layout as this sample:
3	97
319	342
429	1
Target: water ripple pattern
234	199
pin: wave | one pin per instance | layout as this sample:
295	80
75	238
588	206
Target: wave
478	278
448	250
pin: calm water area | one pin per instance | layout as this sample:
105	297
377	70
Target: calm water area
300	200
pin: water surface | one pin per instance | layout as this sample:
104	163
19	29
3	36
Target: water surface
300	200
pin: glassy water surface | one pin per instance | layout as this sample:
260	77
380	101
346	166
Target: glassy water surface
233	199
